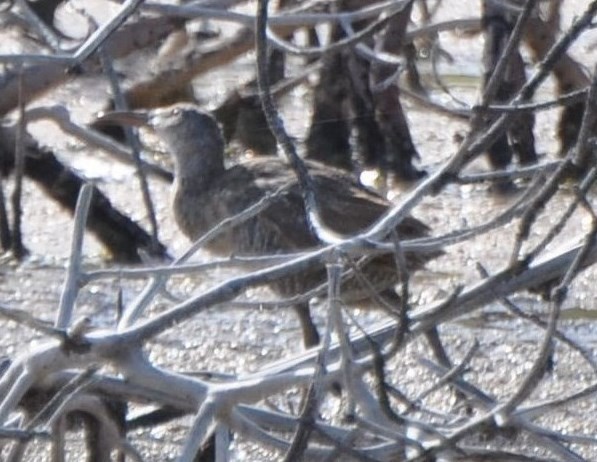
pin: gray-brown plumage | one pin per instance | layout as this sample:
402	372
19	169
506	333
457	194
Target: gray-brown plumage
206	192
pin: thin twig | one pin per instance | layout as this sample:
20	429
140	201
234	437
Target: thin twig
103	33
120	104
71	286
18	249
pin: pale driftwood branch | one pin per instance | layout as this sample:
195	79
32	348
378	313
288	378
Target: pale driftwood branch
135	145
49	36
533	318
72	281
41	73
25	318
284	19
98	37
60	116
388	424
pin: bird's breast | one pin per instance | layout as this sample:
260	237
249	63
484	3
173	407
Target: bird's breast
198	213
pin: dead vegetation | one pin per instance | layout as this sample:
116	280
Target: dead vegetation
395	403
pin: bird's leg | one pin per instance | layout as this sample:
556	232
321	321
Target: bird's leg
432	335
310	334
437	347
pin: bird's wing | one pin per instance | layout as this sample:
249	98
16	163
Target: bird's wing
347	206
355	207
282	225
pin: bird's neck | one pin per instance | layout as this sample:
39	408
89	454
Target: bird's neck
193	180
196	167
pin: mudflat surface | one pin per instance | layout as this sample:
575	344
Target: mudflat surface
235	340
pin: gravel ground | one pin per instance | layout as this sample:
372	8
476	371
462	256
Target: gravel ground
237	341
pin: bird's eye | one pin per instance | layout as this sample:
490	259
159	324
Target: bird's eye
175	111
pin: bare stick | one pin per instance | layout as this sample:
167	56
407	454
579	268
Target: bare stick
61	116
71	283
500	68
5	235
133	141
582	156
53	407
18	249
101	34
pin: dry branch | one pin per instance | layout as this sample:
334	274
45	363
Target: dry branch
393	415
39	78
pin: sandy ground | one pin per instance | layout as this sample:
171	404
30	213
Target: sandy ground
237	341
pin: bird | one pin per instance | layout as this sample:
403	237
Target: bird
206	191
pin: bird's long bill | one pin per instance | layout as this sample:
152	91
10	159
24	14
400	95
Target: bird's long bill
134	118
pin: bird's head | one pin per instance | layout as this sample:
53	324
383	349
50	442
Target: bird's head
186	130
